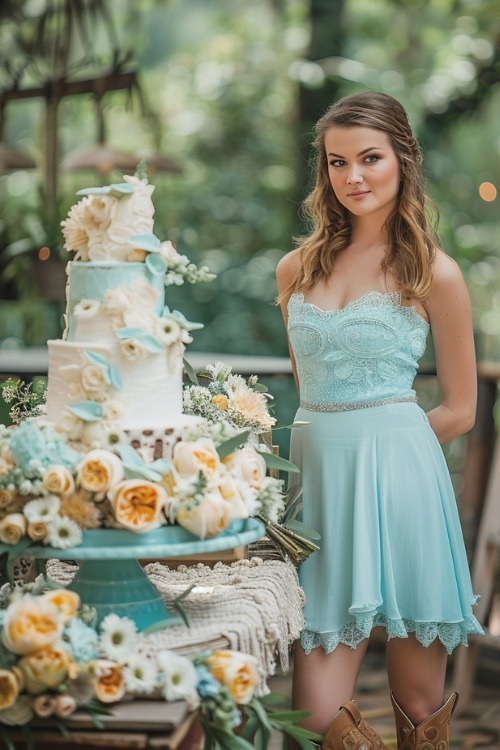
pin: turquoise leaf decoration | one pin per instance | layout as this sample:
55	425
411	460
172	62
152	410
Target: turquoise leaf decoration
115	190
89	411
111	373
150	343
149	242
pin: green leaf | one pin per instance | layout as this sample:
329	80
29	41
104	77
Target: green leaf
190	372
4	734
278	462
229	446
302	530
275	699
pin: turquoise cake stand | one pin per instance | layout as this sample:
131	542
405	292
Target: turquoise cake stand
111	579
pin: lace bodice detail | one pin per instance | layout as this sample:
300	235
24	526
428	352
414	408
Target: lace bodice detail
365	352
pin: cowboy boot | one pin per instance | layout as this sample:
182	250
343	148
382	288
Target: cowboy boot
348	731
431	734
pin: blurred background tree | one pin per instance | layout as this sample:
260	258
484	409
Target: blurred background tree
230	91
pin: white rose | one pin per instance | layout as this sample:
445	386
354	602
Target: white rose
58	480
93	380
144	295
247	464
132	349
116	302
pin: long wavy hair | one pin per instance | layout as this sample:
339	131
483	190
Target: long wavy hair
411	239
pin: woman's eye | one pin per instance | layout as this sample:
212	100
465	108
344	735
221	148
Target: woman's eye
337	163
371	158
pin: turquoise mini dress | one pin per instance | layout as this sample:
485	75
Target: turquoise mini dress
376	485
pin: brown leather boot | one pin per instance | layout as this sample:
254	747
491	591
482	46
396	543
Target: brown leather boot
348	731
431	734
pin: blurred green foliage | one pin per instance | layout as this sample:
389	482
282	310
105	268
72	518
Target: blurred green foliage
230	90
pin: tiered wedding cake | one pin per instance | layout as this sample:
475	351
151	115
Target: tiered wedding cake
119	366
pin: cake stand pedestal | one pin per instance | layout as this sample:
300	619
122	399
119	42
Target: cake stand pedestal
111	579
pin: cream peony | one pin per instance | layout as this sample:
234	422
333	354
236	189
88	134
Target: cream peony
66	601
108	680
9	688
230	492
209	517
247	464
46	668
198	455
31	623
237	671
99	471
137	504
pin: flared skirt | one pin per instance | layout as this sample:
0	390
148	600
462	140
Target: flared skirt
376	486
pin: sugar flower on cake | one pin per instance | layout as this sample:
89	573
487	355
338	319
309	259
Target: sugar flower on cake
231	398
177	268
99	225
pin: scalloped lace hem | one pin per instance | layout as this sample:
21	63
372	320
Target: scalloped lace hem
451	634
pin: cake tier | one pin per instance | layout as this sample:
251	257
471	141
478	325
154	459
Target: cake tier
103	297
150	395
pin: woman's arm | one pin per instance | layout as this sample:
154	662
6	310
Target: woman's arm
286	271
449	311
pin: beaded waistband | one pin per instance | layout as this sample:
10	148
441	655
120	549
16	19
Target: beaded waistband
336	406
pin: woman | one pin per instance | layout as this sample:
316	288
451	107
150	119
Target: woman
359	296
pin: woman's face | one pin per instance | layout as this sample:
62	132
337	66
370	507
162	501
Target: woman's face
363	169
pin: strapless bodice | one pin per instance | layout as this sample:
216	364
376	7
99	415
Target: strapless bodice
365	353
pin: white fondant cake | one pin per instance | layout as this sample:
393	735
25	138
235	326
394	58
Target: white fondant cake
118	368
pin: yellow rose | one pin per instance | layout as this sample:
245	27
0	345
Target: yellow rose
58	480
67	602
190	458
37	531
247	464
99	471
9	688
137	504
237	671
46	668
206	519
109	683
12	528
31	623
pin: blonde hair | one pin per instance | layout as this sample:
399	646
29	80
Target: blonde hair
412	243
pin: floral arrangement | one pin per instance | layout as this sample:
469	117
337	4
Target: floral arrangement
50	492
227	397
24	400
54	663
115	222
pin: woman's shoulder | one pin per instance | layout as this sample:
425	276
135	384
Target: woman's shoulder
287	268
448	282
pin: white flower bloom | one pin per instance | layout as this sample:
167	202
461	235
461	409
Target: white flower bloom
43	509
118	638
140	673
132	349
168	330
63	533
178	676
86	308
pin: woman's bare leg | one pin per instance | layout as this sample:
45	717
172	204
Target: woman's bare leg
322	682
417	675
